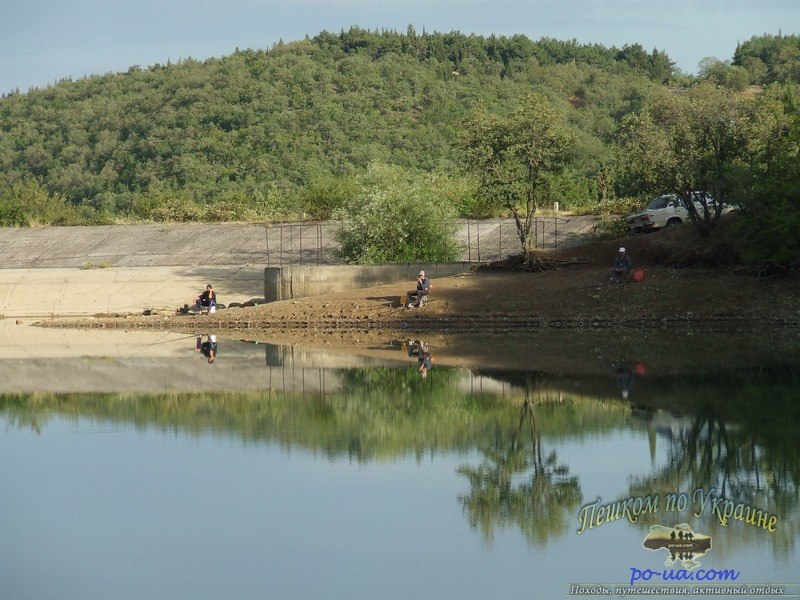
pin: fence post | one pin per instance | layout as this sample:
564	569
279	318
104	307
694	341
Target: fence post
281	246
500	229
555	230
266	235
479	241
469	242
319	242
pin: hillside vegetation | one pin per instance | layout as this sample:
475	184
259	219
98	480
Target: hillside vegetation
287	132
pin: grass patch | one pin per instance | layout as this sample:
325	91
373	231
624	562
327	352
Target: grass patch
95	265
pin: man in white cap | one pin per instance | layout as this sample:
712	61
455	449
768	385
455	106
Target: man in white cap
621	270
414	297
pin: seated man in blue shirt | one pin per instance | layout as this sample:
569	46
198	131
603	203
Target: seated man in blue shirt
208	300
414	297
621	270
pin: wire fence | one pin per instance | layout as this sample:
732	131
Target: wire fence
478	240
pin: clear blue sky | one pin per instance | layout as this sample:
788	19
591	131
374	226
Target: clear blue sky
42	41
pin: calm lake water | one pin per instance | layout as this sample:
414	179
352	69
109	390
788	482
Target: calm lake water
373	482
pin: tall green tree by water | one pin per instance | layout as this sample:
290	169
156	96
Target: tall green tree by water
517	157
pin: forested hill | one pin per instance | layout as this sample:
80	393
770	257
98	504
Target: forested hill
273	133
257	126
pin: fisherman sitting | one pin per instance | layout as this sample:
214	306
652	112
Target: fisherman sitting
416	297
207	300
621	270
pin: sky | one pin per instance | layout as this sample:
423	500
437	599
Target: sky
44	41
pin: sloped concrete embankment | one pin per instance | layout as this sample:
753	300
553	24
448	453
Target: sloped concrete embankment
76	292
79	271
65	271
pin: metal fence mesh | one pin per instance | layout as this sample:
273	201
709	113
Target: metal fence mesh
479	241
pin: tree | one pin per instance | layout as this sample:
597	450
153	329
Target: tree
28	203
304	114
516	158
691	143
723	73
396	216
772	211
770	58
324	194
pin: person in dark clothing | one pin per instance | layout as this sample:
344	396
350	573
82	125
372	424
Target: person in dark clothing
624	378
621	270
208	300
414	297
424	362
208	348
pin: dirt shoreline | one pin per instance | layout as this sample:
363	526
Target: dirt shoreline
366	323
568	320
562	299
576	296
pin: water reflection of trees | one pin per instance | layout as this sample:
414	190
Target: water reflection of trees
24	412
741	441
520	484
378	413
740	438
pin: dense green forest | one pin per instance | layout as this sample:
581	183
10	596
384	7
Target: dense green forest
287	132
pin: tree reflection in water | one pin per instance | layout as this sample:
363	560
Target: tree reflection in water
519	484
742	444
737	434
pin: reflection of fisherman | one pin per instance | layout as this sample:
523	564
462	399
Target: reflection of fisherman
415	348
208	348
425	363
624	378
420	349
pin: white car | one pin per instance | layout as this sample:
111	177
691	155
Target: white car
666	211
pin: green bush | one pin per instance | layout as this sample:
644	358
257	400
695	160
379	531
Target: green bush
396	216
461	192
612	224
571	190
620	206
320	198
28	204
231	205
772	234
610	227
166	206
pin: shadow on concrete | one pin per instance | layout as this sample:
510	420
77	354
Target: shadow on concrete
232	283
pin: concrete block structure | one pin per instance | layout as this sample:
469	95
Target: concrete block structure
302	281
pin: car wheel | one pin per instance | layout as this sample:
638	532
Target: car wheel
673	222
